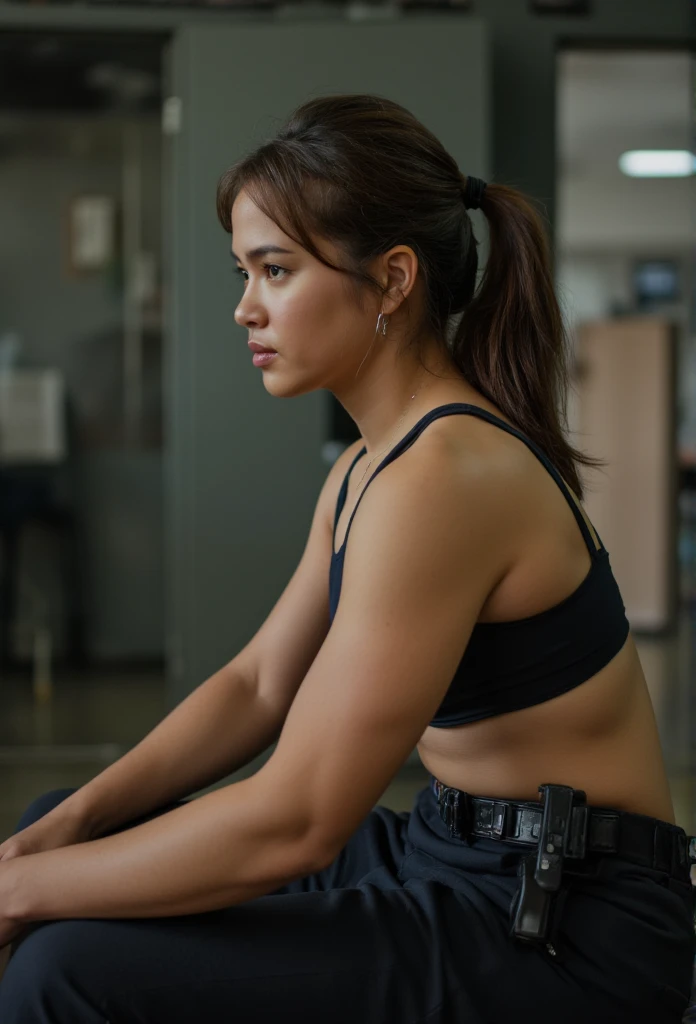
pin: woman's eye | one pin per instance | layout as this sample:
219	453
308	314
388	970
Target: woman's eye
266	266
274	266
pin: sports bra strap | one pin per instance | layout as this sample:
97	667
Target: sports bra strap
342	493
474	410
543	458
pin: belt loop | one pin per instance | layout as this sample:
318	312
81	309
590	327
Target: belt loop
604	832
663	848
679	853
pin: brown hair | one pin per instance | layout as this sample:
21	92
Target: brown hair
364	173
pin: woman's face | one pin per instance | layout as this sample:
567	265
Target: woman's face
296	305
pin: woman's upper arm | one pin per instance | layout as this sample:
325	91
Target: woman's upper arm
424	552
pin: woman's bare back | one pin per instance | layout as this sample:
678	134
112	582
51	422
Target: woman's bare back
600	737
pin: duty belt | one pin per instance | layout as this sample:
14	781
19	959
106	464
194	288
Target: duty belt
561	827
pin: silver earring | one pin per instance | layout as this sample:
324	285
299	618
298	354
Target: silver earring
382	322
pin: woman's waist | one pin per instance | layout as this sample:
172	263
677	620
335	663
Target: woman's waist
612	774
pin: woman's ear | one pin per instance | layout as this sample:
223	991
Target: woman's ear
399	272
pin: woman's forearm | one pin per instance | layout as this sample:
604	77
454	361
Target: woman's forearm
217	729
226	847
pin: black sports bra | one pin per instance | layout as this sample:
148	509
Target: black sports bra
516	664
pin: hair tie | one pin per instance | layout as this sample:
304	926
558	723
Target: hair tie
473	192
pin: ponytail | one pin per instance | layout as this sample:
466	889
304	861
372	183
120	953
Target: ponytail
511	343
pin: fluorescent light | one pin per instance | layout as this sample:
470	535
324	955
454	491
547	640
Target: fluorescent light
658	163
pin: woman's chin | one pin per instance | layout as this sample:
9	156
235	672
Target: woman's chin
282	385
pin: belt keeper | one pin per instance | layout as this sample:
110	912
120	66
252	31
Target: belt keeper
451	805
577	834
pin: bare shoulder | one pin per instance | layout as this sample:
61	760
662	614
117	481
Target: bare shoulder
473	460
479	444
445	501
471	477
508	478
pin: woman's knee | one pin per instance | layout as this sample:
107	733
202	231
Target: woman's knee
50	973
42	805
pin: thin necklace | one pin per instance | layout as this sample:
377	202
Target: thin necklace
393	438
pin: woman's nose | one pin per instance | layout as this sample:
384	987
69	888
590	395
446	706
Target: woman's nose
245	317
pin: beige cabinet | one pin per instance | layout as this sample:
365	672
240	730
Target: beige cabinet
624	411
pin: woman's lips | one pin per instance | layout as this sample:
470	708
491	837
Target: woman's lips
261	358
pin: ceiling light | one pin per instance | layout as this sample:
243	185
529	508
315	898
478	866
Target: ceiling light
658	163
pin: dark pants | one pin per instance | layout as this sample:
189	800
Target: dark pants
406	926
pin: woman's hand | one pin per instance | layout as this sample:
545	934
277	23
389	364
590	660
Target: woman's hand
50	832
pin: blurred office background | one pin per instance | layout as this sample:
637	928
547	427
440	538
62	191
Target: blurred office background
133	499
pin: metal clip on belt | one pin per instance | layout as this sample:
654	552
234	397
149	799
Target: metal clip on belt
563	834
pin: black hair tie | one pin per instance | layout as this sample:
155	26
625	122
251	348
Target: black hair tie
473	192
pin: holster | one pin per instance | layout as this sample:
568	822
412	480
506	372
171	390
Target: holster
538	902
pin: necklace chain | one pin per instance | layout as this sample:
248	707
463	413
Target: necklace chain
393	438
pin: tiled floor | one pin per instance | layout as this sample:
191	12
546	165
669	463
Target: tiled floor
91	720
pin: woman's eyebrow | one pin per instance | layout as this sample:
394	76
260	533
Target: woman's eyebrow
262	250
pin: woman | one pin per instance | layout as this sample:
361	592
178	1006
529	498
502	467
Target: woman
541	876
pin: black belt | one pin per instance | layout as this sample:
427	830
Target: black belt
572	829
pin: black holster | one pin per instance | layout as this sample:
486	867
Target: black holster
538	902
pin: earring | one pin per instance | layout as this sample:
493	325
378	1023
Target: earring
382	322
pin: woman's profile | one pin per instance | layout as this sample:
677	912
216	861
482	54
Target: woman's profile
452	596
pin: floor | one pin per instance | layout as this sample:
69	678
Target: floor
92	718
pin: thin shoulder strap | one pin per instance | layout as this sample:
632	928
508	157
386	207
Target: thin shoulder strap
476	410
473	410
342	493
